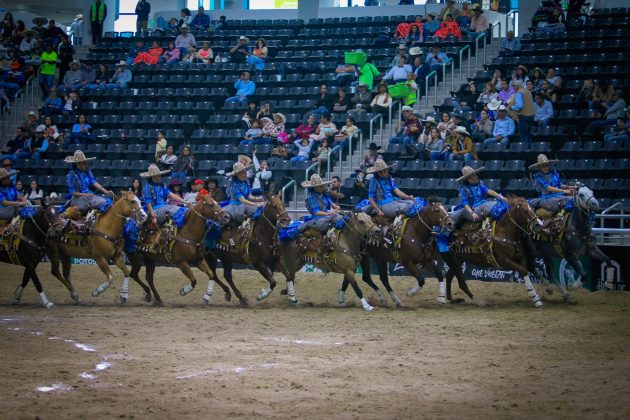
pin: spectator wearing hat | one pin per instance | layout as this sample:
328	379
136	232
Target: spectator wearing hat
523	106
427	124
47	70
143	9
76	30
509	45
98	13
543	110
258	57
503	128
240	52
370	158
436	58
402	53
72	78
482	128
214	190
521	74
461	145
398	73
361	99
195	187
409	129
479	23
121	77
185	40
201	21
273	128
244	88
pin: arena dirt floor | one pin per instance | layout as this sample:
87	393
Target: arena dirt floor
186	360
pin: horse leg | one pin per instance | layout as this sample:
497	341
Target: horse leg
17	295
38	286
521	269
461	280
124	288
551	278
367	278
594	251
384	277
185	268
203	266
291	288
227	273
55	257
577	266
136	264
349	275
268	275
104	266
149	266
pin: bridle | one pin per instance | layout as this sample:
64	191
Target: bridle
435	207
530	221
209	201
130	202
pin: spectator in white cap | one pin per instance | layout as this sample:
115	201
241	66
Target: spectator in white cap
402	52
409	128
121	77
503	128
241	50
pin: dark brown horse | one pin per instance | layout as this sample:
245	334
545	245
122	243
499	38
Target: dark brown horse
416	251
30	250
187	250
260	252
508	247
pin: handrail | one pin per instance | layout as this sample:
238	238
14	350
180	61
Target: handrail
376	117
477	47
284	188
330	152
443	78
492	25
512	12
350	150
460	53
309	169
426	86
614	206
394	103
453	75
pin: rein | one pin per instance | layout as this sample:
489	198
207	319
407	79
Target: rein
529	222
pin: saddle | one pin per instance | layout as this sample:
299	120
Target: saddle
158	240
475	238
236	239
10	237
74	228
314	247
392	231
553	228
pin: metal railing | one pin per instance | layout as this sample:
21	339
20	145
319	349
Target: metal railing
330	153
613	236
391	108
309	169
481	37
461	62
284	190
492	25
426	87
372	120
513	13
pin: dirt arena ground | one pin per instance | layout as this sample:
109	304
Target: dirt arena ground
272	360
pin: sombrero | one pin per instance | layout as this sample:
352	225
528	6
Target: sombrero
282	117
494	105
40	20
379	165
522	67
5	174
542	159
238	168
462	130
429	120
467	172
244	38
246	158
153	171
416	51
77	157
78	17
316	181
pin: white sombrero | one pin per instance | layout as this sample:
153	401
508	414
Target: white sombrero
430	120
238	168
379	165
494	105
282	117
245	158
316	181
467	172
462	130
77	157
153	171
542	160
415	51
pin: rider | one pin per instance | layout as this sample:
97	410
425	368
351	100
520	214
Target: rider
472	192
11	202
242	202
81	185
554	195
320	205
383	193
156	193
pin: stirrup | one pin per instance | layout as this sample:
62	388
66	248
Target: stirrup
15	221
90	216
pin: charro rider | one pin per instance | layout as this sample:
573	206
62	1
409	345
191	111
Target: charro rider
82	184
386	199
320	205
156	194
472	193
242	202
554	195
11	202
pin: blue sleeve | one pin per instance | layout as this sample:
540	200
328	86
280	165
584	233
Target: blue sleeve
372	188
484	188
91	178
44	146
541	181
511	127
314	204
548	109
235	192
394	185
518	102
237	85
164	191
251	88
463	196
71	182
148	197
76	128
495	130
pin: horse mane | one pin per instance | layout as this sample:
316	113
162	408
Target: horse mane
433	199
513	199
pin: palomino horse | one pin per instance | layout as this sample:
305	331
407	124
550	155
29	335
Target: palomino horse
261	249
571	240
188	249
103	243
32	237
507	247
344	257
415	252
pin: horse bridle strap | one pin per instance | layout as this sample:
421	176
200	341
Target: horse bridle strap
187	241
31	242
115	241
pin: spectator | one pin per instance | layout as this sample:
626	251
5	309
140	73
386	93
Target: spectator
47	70
214	191
135	50
258	57
101	77
398	73
136	188
81	132
489	94
28	44
31	123
362	98
35	194
240	51
409	129
322	153
265	111
325	129
436	58
367	73
465	16
53	105
521	74
503	128
479	23
72	78
459	120
273	128
244	88
201	21
553	79
529	85
602	95
347	131
345	74
585	95
168	159
462	146
402	53
448	28
304	149
221	24
509	45
447	123
427	125
621	132
431	25
51	131
71	103
404	29
341	101
8	25
205	54
160	145
254	135
19	187
382	101
482	128
76	30
549	92
88	75
184	165
433	145
468	98
250	115
538	78
152	56
15	145
121	77
262	176
370	158
449	9
543	110
304	130
171	54
185	18
195	187
185	40
53	34
613	112
523	106
14	78
507	91
65	52
143	9
35	148
415	37
176	188
418	67
98	13
324	102
335	189
280	150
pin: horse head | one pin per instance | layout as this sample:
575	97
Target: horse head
585	199
522	214
363	224
128	205
435	214
209	209
275	211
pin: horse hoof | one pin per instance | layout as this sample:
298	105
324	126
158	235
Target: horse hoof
284	292
228	297
368	308
293	302
441	301
16	302
49	305
412	291
539	304
158	303
243	302
264	293
457	301
77	301
400	304
122	300
147	297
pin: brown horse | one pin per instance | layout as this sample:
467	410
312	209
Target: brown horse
188	250
32	236
344	257
260	252
508	251
415	252
104	243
